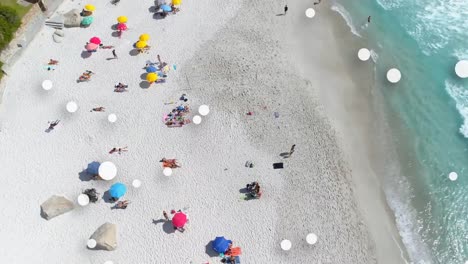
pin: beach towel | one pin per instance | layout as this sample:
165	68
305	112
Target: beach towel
278	165
235	251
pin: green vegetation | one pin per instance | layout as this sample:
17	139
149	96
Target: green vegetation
20	10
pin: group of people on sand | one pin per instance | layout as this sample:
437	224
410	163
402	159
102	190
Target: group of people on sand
177	117
254	190
86	76
231	254
120	87
118	150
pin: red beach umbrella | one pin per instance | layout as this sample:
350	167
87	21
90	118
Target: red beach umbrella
91	46
95	40
121	27
179	219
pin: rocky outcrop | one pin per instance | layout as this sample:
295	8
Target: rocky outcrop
72	18
55	206
106	237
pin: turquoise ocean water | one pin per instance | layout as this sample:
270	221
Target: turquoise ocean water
428	116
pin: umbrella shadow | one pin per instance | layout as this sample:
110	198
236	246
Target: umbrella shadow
115	34
282	14
43	214
107	197
134	52
158	16
285	155
166	225
244	190
143	76
85	54
85	176
144	85
152	9
114	27
48	130
209	250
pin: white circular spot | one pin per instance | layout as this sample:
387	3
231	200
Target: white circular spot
107	170
109	262
286	244
167	172
204	110
47	85
310	12
136	183
196	119
393	75
91	243
461	68
453	176
112	118
83	199
311	238
72	107
364	54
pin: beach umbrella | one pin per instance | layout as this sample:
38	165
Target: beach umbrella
112	118
121	26
144	37
453	176
47	85
91	47
93	168
136	183
72	107
176	2
151	77
204	110
141	44
117	190
179	219
221	244
310	12
166	8
87	21
107	170
151	69
89	7
109	262
95	40
83	199
461	69
311	238
364	54
91	243
393	75
122	19
286	244
196	119
167	172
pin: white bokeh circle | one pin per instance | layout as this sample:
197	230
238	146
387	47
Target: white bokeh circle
196	119
461	69
364	54
393	75
286	244
310	12
112	118
83	199
167	172
72	107
47	85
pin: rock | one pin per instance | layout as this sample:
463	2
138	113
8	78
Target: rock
59	32
55	206
106	237
72	18
57	38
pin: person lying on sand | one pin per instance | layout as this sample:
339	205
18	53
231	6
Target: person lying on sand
170	163
53	62
119	150
98	109
53	124
122	204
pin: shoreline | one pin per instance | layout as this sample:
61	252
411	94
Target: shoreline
353	108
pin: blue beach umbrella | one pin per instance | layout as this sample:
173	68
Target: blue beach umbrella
166	8
117	190
151	69
221	244
93	168
87	21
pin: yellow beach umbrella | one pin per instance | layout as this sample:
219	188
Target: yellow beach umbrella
89	7
152	77
141	44
176	2
122	19
144	37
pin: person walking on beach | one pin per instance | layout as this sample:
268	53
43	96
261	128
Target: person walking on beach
53	124
115	54
316	3
292	150
165	216
285	9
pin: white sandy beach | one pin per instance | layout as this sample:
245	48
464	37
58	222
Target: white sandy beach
236	56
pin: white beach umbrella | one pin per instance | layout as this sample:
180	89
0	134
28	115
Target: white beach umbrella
47	85
167	172
196	119
112	118
286	244
311	238
393	75
83	199
310	12
461	68
364	54
136	183
107	170
109	262
72	107
453	176
91	243
204	110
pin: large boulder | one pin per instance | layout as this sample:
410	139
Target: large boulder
72	18
55	206
106	237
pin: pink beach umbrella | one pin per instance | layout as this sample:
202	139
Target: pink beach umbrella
179	219
91	47
121	27
95	40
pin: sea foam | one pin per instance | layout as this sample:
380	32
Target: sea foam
460	96
346	16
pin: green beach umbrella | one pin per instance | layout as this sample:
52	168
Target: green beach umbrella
87	21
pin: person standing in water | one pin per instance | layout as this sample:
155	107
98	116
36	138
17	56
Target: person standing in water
115	54
368	19
285	9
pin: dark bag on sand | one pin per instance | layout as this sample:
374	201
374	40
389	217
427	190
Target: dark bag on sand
278	165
